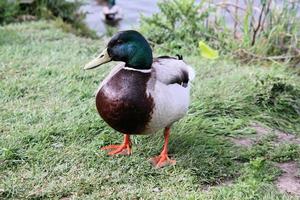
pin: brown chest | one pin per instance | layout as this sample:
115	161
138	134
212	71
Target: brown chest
123	103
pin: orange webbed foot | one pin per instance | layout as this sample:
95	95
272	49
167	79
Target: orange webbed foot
118	149
122	149
162	161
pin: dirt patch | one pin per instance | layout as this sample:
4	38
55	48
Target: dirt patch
245	142
289	181
262	131
286	137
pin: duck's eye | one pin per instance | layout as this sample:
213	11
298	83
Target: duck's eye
119	41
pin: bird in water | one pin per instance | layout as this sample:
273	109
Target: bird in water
142	94
111	12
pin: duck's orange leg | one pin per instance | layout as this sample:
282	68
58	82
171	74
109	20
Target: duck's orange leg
123	149
163	159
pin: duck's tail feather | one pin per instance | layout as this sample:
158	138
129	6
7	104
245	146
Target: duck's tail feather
180	57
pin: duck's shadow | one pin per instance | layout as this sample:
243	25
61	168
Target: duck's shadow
210	158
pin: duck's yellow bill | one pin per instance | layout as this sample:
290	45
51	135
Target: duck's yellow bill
101	59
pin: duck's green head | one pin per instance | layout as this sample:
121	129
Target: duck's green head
127	46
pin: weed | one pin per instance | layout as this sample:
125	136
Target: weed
266	32
8	11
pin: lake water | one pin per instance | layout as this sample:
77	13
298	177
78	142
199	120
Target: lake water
132	10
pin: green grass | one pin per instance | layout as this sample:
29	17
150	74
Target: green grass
51	131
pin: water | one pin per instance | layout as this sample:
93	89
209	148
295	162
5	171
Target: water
131	11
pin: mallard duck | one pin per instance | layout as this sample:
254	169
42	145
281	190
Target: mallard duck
142	94
111	11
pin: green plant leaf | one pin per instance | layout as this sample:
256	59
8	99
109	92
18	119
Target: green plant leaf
207	52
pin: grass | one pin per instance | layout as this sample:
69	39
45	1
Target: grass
51	132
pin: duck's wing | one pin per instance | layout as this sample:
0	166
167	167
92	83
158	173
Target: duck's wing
170	70
170	91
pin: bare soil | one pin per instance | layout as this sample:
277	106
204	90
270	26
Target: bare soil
262	131
289	180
